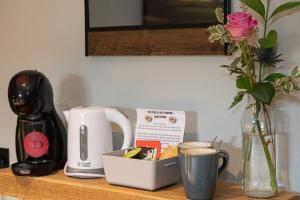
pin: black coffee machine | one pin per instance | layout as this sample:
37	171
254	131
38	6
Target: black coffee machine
41	140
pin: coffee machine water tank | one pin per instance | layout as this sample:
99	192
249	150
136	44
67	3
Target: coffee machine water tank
41	140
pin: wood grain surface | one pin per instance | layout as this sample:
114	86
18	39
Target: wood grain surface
183	41
58	186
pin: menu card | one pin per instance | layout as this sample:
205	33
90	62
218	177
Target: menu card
166	126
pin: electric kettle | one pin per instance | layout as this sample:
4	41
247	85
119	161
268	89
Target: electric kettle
90	136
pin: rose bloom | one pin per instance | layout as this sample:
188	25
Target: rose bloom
240	25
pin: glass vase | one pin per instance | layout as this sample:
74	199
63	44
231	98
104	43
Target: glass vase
259	164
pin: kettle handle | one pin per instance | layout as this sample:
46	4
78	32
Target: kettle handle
117	117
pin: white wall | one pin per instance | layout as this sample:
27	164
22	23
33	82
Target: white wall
49	36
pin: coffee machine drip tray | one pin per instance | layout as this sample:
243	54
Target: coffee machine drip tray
32	169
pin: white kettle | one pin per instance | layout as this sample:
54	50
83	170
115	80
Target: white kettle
90	136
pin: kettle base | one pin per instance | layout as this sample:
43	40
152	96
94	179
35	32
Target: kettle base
84	173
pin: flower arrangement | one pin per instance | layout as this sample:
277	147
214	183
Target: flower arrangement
255	62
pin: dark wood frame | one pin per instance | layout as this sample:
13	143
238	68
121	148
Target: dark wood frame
190	39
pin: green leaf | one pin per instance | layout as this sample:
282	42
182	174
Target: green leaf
295	72
274	76
243	82
212	38
270	40
220	29
285	7
225	66
227	38
280	82
212	29
289	86
263	92
220	15
222	41
287	92
256	5
236	61
238	98
232	49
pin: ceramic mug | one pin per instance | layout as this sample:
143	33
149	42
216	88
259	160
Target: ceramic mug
199	168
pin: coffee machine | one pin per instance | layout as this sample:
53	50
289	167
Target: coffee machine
41	140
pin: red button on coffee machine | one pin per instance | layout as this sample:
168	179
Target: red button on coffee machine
36	144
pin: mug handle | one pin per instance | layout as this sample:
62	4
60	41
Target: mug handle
225	157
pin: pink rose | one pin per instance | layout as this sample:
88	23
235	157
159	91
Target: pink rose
240	25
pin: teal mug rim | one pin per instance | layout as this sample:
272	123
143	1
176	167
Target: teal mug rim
195	145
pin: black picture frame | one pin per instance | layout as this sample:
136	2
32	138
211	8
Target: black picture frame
88	29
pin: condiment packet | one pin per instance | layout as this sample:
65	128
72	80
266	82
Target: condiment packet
150	144
141	153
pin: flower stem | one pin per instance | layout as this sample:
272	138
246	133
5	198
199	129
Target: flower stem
246	59
266	18
261	72
271	166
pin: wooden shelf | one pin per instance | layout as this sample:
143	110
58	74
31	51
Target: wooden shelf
58	186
